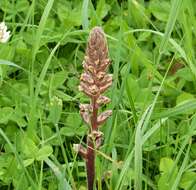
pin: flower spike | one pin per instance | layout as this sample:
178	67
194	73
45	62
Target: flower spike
94	82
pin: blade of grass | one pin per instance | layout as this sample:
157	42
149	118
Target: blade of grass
183	146
138	155
85	21
129	93
32	118
175	9
182	168
30	12
40	30
63	183
179	109
124	170
141	128
152	130
142	125
65	157
41	176
119	100
109	124
9	63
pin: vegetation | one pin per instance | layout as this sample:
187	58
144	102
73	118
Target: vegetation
94	82
149	141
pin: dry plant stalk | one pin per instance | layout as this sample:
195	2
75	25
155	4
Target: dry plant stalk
94	82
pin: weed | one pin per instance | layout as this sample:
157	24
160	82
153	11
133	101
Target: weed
93	82
149	140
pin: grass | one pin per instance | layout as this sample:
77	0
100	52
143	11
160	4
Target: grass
149	142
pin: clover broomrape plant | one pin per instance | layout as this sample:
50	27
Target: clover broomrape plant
94	82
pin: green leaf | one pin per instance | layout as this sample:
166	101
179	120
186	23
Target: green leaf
187	179
29	147
73	120
186	74
166	164
14	7
167	179
69	17
5	114
160	9
136	12
19	117
28	162
58	79
102	9
184	97
55	110
67	131
133	87
44	152
163	183
82	130
65	97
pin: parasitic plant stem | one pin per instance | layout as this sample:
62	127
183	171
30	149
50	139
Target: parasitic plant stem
94	82
94	115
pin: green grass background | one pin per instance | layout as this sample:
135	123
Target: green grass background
149	142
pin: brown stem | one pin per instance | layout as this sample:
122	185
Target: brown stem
90	164
94	114
90	161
